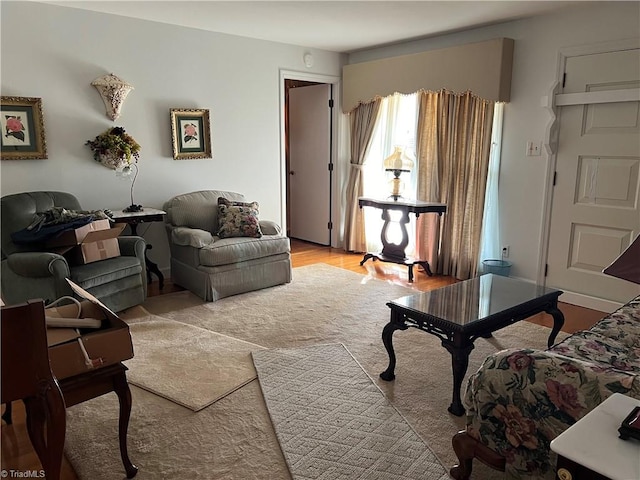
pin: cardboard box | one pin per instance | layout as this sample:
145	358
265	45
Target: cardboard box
95	245
98	245
108	345
75	236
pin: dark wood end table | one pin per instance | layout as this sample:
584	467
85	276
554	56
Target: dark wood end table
132	219
113	378
460	313
392	252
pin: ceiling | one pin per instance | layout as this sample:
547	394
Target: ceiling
338	26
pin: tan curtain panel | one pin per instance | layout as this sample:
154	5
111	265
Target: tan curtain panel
362	122
454	142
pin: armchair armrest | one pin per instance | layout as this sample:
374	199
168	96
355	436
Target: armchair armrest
190	237
132	246
38	264
270	228
28	275
521	399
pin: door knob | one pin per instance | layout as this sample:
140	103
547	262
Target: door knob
291	172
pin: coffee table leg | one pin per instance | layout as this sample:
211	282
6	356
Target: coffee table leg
459	348
558	322
387	339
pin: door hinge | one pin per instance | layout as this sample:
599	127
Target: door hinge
330	167
564	79
331	103
555	176
330	225
546	269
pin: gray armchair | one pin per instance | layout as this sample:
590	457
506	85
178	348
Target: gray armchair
214	267
28	271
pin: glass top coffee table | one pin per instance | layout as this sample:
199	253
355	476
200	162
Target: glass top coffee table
462	312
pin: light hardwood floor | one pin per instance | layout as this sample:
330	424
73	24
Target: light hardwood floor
18	454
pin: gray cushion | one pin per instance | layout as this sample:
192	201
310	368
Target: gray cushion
241	249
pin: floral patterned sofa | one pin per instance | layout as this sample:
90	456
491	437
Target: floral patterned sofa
521	399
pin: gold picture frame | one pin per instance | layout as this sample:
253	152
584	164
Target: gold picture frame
191	133
22	129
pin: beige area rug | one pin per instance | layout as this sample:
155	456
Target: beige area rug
234	438
191	366
333	422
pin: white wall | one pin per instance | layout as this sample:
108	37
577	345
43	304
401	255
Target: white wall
54	53
538	42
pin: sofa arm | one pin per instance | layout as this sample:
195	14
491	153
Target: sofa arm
190	237
270	228
520	400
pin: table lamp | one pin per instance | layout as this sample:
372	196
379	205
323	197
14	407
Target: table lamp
128	173
627	265
401	160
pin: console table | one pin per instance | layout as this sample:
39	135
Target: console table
392	252
132	219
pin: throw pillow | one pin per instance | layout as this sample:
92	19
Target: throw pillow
238	219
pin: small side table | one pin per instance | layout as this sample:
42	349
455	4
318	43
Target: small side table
95	383
590	449
392	252
132	219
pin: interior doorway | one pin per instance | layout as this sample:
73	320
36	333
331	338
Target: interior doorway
308	160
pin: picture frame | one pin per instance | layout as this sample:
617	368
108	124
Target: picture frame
191	133
22	126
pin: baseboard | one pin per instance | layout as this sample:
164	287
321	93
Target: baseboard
587	301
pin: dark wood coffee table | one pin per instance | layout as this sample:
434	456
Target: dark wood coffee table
462	312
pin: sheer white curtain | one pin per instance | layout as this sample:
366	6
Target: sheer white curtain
490	247
396	125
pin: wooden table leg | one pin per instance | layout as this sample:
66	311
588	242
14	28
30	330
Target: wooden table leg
460	349
47	412
396	323
558	322
121	387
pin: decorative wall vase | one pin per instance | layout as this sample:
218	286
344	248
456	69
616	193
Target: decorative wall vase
113	91
113	161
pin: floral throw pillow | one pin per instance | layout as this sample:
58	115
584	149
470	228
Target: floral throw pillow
238	219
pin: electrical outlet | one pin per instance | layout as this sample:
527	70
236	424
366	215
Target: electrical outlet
505	251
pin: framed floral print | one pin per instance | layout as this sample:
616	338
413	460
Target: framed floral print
190	130
22	129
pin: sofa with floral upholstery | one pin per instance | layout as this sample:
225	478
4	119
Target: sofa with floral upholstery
521	399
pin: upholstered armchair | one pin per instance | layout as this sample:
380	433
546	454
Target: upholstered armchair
30	271
212	260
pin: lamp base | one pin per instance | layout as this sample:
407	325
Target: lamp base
133	208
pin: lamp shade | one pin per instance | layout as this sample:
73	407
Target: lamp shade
401	159
627	265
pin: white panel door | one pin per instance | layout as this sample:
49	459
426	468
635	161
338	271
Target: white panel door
595	211
309	158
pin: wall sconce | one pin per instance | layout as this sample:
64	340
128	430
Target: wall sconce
113	91
399	161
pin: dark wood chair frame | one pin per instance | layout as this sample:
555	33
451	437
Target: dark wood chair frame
27	376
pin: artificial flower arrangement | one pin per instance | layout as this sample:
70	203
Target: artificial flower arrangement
115	148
